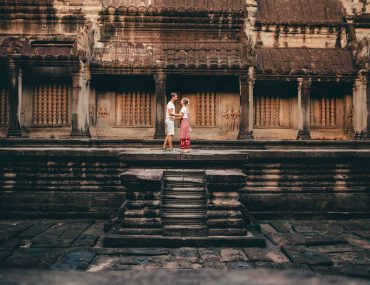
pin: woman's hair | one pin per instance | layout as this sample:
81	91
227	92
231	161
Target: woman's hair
186	101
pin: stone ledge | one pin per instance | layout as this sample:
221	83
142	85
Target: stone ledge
253	239
225	177
142	176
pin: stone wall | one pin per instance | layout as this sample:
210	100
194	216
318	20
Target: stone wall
60	185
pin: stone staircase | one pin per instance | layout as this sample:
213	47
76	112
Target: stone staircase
183	205
180	208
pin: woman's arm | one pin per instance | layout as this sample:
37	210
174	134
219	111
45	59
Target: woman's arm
178	116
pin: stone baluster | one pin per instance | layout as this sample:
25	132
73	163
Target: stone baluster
304	109
14	100
160	100
246	106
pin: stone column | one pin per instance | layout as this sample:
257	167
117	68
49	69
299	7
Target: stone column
80	104
366	91
160	102
304	109
246	107
360	117
15	97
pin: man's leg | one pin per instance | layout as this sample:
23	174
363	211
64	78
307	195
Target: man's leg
170	142
165	142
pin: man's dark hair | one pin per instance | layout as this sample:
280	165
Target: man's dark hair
173	94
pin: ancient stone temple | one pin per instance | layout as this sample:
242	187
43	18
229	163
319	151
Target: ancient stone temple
253	69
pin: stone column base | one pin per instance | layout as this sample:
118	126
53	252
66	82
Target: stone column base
303	135
246	136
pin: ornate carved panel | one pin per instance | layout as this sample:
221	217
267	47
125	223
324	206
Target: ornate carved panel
325	112
206	109
3	105
134	109
50	105
268	112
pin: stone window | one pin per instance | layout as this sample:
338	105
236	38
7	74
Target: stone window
51	104
206	109
134	109
326	112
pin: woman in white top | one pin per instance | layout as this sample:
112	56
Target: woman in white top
185	127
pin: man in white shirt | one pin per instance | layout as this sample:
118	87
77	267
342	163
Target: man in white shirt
170	122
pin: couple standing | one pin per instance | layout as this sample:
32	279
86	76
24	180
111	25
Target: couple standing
185	127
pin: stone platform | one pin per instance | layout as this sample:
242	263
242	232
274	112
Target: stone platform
82	179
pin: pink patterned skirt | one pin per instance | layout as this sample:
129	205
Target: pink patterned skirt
185	134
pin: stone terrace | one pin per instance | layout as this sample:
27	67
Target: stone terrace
329	247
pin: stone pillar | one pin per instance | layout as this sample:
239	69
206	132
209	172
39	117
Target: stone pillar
246	107
366	92
15	97
80	104
304	109
160	102
360	117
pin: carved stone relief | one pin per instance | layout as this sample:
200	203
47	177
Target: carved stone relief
103	114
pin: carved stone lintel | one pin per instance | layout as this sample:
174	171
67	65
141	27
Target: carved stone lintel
14	100
160	99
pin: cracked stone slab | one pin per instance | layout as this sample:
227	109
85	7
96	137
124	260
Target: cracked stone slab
304	256
75	260
7	248
281	226
191	254
33	258
61	235
233	254
37	229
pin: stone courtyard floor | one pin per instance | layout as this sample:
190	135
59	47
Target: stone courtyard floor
323	246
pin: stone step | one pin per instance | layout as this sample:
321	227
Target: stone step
227	232
183	215
183	196
185	231
274	189
253	239
168	206
185	188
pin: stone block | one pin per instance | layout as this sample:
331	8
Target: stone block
225	176
304	256
233	254
142	176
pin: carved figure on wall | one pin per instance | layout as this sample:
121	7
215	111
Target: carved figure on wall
231	119
85	41
103	115
92	120
348	127
226	118
362	53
